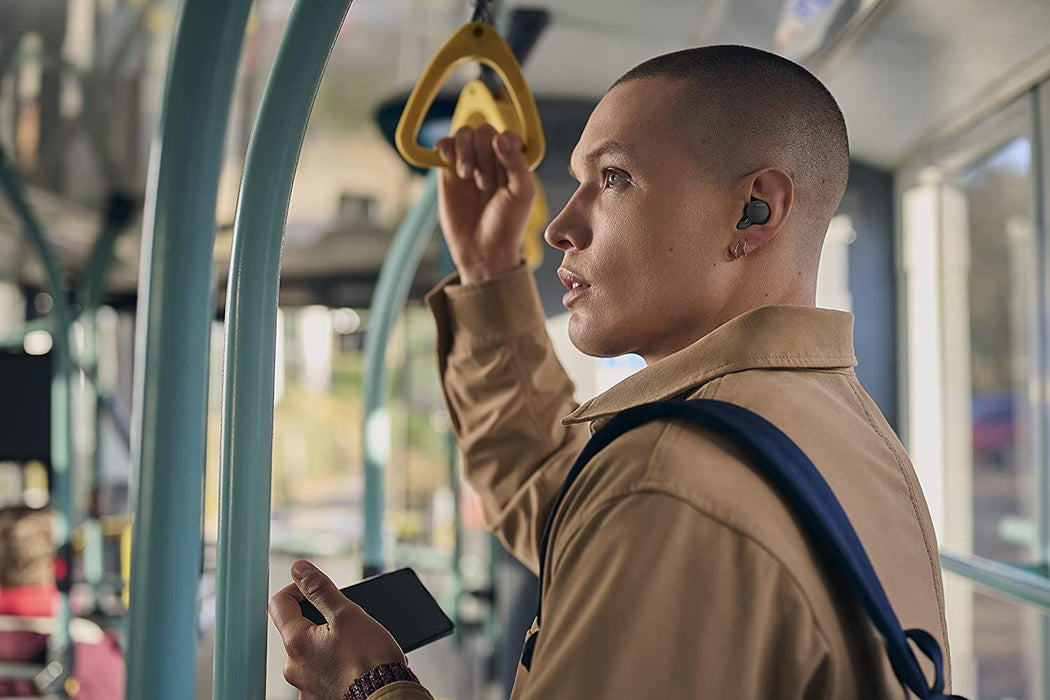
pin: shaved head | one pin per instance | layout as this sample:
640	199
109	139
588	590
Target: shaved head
741	109
666	165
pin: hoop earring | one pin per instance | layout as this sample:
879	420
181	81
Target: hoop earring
739	250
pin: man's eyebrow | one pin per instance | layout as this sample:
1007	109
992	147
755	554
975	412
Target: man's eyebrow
609	147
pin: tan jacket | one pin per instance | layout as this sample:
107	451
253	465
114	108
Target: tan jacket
674	570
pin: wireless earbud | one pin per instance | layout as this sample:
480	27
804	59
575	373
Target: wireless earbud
756	212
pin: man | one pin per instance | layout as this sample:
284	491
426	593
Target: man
674	570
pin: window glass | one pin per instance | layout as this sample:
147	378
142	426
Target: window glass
997	192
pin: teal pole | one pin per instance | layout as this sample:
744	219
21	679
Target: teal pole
61	408
90	294
452	454
251	323
118	215
174	316
388	300
391	293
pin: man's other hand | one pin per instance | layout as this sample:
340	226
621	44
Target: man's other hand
323	660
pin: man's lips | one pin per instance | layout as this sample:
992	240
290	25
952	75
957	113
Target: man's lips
575	283
571	280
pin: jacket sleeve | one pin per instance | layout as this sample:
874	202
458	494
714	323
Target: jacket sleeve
506	393
402	690
653	598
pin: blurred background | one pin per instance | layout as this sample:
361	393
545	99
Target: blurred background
939	249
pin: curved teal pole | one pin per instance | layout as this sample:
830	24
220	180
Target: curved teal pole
388	300
251	323
61	406
391	293
175	310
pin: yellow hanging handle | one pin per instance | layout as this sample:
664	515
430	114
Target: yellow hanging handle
477	105
475	41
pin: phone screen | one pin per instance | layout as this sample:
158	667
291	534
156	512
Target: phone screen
399	601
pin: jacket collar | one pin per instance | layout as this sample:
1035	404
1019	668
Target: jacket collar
769	337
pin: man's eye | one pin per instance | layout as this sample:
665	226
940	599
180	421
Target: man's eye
613	178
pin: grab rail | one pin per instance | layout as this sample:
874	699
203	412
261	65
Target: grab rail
175	309
251	326
1002	579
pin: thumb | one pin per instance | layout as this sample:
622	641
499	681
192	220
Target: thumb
318	589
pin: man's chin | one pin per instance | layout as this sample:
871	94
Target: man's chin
597	342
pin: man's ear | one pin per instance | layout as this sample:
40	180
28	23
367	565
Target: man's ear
774	187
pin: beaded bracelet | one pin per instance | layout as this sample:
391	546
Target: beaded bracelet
377	678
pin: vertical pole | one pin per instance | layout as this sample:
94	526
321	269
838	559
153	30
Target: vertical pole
119	209
251	321
92	288
171	369
1041	229
61	649
452	454
391	292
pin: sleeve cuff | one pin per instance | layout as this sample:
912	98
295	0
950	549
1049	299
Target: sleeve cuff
402	690
492	310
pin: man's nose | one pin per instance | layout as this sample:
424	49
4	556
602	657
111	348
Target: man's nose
569	229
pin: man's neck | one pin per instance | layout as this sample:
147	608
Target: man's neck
738	306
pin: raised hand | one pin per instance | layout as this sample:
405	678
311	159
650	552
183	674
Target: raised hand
484	201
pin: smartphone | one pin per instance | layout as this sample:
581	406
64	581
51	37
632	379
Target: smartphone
399	601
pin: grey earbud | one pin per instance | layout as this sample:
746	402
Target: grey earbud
756	212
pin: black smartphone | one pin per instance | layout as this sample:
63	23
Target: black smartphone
399	601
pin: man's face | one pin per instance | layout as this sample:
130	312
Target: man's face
645	231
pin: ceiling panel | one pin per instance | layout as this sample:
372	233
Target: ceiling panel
919	66
912	70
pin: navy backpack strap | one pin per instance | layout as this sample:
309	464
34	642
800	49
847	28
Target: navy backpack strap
809	497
